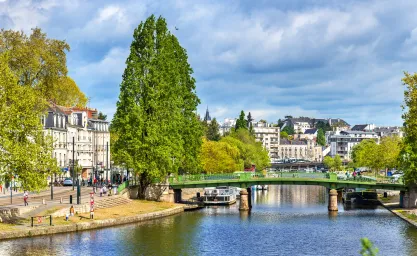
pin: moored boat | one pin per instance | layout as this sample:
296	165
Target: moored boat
222	195
360	197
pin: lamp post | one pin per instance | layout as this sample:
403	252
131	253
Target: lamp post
78	187
73	161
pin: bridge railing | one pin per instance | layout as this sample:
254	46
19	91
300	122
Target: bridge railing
250	176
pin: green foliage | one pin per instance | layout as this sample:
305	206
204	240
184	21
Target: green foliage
40	63
220	157
334	164
377	156
25	152
155	121
102	116
283	135
241	122
408	156
289	130
280	123
321	140
212	132
368	248
324	126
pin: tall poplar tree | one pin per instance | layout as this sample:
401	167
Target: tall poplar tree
155	121
408	155
241	122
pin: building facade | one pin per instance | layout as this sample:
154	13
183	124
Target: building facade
78	135
300	149
269	136
341	143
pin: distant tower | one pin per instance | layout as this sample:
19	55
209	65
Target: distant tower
207	117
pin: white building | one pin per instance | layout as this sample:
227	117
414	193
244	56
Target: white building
227	125
269	136
79	129
300	149
341	143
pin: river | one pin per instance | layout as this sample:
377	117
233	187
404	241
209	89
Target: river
286	220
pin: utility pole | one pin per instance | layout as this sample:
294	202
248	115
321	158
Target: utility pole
107	161
73	160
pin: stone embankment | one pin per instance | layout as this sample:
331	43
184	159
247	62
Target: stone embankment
94	224
391	203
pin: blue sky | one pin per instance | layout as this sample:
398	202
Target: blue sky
318	58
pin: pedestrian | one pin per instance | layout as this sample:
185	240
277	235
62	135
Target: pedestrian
25	197
354	175
72	211
1	188
101	191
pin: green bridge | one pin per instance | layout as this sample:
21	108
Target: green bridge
245	180
332	181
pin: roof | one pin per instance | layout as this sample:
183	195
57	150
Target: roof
357	132
310	131
292	142
359	127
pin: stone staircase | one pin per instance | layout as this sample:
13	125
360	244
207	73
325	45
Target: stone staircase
111	201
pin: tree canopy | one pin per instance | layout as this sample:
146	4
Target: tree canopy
40	63
212	132
321	140
102	116
289	130
334	164
408	155
155	121
25	152
241	122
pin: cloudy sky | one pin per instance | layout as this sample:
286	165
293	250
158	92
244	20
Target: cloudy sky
320	58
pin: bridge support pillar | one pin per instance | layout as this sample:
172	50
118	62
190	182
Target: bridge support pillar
408	199
249	197
177	195
244	204
333	200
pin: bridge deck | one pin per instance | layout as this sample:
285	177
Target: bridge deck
245	180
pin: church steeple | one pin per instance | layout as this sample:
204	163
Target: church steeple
207	117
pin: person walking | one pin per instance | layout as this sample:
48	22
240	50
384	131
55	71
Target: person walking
25	198
72	211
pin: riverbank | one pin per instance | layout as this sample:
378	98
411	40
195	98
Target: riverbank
136	211
391	203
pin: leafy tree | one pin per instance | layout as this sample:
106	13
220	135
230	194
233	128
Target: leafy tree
158	130
389	150
220	157
250	125
102	116
324	126
283	135
321	140
288	117
368	248
329	162
280	123
262	121
251	151
408	155
213	130
366	154
241	123
40	63
337	163
289	130
25	152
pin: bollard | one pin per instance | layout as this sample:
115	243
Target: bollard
70	199
60	200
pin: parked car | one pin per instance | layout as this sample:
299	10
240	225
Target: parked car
68	182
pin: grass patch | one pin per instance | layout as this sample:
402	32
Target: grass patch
7	227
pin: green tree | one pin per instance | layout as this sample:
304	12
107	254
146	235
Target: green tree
368	248
329	162
250	119
280	123
220	157
155	121
283	135
289	130
408	155
241	122
102	116
368	154
25	152
337	163
321	140
40	63
213	130
324	126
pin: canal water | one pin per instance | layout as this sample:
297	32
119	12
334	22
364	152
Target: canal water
286	220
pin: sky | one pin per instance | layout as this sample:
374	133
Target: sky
318	58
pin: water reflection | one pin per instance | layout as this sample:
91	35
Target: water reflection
285	220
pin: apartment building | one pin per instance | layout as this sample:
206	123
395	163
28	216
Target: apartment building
341	143
269	136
